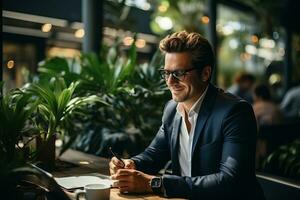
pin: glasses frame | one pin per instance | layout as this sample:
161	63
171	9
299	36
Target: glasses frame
165	74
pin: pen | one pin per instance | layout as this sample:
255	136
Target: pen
116	157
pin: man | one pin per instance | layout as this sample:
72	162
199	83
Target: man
265	110
290	104
243	85
207	134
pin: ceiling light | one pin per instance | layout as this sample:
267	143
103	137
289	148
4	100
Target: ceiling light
127	41
140	43
46	28
79	33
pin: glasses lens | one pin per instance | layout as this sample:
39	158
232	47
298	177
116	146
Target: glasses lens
179	74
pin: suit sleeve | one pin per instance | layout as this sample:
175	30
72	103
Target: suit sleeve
155	156
157	153
237	161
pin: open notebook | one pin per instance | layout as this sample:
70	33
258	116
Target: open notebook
74	182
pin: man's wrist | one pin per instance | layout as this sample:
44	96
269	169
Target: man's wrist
156	184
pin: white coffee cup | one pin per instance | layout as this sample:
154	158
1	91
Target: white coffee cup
94	192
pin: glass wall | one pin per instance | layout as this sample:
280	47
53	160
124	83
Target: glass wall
296	59
18	61
243	47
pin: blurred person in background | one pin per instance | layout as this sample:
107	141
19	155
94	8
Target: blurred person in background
290	105
242	87
266	113
265	110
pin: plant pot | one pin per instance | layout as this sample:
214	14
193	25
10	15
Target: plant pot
46	152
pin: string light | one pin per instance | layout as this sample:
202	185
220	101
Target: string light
205	19
10	64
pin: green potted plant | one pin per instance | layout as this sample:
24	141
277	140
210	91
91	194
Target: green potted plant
35	111
284	161
56	107
16	107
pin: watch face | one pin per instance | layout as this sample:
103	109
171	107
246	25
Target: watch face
156	182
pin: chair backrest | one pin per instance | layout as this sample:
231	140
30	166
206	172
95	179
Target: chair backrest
279	134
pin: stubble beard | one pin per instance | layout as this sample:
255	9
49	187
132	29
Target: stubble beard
179	97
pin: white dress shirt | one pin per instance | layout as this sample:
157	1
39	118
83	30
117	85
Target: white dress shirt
185	138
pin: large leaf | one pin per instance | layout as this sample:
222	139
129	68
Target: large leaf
53	66
58	67
65	97
46	96
284	161
16	108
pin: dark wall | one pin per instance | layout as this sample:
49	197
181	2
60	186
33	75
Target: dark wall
291	15
66	9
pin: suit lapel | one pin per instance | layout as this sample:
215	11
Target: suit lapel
174	142
204	113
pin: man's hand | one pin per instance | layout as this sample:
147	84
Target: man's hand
115	165
132	181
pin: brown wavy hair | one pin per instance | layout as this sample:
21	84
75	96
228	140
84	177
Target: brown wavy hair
194	43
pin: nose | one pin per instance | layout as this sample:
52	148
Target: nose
171	80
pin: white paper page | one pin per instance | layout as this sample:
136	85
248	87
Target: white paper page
73	182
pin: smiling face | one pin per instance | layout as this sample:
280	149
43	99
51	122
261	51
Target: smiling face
191	87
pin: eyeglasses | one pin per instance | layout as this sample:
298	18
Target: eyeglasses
177	74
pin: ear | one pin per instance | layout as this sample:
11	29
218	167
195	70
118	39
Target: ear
206	73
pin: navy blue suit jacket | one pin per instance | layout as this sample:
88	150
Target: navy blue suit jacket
223	150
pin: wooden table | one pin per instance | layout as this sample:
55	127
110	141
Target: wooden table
87	163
